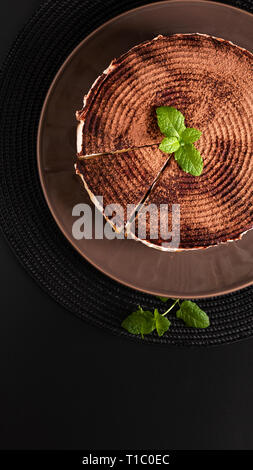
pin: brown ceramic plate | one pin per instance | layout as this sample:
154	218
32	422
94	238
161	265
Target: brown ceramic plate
191	274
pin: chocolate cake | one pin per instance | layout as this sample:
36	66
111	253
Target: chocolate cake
210	81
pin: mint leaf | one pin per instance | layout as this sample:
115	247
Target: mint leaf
189	159
169	144
162	324
179	139
191	135
170	121
163	299
140	322
192	315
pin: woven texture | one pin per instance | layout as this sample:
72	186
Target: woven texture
40	49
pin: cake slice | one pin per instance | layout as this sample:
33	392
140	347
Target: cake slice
122	178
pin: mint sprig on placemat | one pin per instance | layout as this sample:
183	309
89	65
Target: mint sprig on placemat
143	322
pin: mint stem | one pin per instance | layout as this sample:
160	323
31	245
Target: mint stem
171	307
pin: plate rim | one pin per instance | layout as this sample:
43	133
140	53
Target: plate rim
40	130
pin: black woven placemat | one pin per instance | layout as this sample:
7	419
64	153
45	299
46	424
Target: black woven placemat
40	49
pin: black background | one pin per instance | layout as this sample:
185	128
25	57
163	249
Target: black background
67	385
